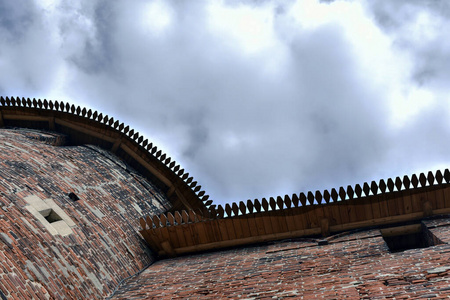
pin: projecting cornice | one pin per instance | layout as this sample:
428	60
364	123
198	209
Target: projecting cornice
82	126
400	200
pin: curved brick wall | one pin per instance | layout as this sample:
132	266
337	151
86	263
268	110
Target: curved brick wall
98	245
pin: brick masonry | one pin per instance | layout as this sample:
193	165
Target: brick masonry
105	246
104	250
354	265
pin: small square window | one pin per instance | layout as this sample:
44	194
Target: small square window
52	217
73	196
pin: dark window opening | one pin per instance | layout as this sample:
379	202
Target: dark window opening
73	196
52	217
407	237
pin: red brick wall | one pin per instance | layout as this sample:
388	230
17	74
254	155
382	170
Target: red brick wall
105	246
354	265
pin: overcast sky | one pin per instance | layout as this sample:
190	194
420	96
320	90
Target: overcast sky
254	98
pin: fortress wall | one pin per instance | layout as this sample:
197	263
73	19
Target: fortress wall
55	246
354	265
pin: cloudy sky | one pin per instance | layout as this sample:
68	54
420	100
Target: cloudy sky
254	98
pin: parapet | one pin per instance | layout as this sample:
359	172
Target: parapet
300	215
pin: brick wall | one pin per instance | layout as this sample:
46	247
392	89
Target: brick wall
354	265
104	246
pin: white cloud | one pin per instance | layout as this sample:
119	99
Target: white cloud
156	17
409	104
49	5
247	27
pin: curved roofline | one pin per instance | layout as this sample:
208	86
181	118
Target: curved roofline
84	126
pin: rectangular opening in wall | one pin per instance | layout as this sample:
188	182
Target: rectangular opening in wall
54	219
52	216
409	237
73	196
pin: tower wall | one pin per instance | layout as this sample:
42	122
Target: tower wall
68	218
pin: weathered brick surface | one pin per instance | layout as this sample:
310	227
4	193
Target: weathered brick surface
105	246
354	266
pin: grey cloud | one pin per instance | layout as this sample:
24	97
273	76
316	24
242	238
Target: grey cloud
428	136
99	56
255	3
198	133
95	42
345	133
430	56
432	64
27	58
391	15
308	131
16	18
